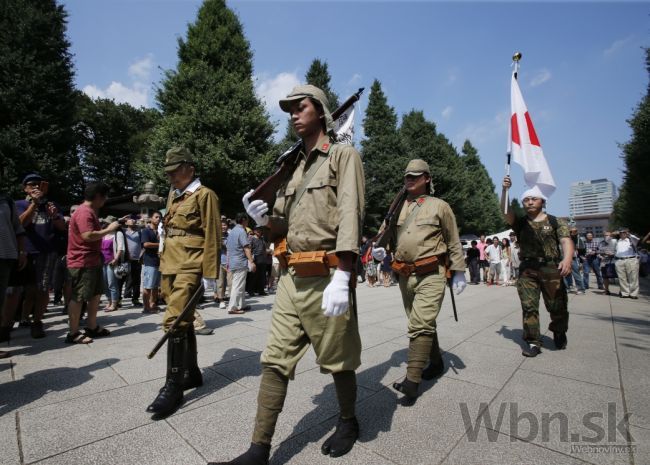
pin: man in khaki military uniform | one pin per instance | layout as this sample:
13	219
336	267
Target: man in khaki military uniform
319	209
190	252
424	236
543	241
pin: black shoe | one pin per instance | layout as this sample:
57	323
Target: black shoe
560	340
257	454
436	366
168	399
608	293
37	330
343	438
532	351
408	388
136	303
25	323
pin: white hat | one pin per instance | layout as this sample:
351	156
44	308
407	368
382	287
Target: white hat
533	192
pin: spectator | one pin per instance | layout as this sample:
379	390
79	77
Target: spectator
113	252
483	263
223	281
151	264
607	251
514	257
12	257
371	267
578	258
592	261
258	249
493	253
627	265
134	246
85	263
240	261
40	218
473	263
386	270
506	261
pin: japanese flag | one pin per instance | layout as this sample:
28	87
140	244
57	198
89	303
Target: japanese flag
524	144
344	126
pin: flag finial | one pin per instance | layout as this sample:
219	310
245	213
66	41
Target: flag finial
516	57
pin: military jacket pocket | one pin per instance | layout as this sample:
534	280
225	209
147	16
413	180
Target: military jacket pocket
321	204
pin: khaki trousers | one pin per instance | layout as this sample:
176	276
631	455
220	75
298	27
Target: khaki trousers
177	289
627	270
422	297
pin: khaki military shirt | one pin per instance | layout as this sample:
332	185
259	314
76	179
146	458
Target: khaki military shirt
196	213
538	239
432	231
328	216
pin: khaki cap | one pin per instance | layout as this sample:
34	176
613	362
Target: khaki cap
300	92
176	156
417	167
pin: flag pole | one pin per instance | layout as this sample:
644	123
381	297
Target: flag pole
515	62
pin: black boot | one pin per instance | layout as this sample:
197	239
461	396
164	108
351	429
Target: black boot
343	438
531	351
193	377
436	366
257	454
560	340
170	396
408	388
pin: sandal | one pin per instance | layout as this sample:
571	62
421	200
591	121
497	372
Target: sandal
99	331
77	338
235	311
110	309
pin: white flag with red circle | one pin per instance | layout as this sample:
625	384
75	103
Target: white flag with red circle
524	144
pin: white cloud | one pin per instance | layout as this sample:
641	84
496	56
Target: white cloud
270	89
447	111
616	46
485	130
540	77
452	76
354	80
135	94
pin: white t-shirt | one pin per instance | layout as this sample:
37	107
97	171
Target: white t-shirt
493	253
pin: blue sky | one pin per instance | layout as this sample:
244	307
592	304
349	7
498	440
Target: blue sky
582	72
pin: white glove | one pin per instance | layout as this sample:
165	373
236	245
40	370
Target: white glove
335	297
458	282
379	253
256	209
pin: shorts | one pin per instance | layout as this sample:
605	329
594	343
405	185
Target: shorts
86	283
150	277
44	270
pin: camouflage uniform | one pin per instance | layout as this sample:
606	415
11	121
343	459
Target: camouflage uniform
539	243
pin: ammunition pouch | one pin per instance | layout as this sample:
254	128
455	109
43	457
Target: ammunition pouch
310	264
424	266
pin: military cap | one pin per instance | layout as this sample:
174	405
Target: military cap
32	177
300	92
176	156
417	167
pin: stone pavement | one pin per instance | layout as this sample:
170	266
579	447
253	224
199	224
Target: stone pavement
62	404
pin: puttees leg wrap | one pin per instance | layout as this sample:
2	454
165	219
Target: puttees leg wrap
270	400
418	356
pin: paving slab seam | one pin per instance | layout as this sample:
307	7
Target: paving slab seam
88	443
570	379
626	412
185	440
496	394
191	408
541	446
19	439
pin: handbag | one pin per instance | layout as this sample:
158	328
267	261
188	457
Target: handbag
122	269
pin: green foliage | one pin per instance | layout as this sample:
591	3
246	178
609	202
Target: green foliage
384	158
631	208
36	99
516	207
481	210
209	105
111	139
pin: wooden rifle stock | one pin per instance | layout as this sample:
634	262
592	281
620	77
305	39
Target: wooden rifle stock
380	238
286	162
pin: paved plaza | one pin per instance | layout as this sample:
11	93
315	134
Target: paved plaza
62	404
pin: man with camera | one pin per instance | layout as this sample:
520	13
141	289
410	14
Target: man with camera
41	220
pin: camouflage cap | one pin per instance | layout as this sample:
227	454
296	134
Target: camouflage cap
176	156
417	167
300	92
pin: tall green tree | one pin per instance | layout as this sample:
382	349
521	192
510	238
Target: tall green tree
112	138
481	210
631	208
209	105
317	75
420	139
384	158
36	98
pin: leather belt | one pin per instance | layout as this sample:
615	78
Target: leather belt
171	232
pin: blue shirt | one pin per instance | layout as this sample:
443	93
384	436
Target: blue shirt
150	256
40	232
237	240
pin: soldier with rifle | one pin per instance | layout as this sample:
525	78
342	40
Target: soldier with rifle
421	230
190	252
319	209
